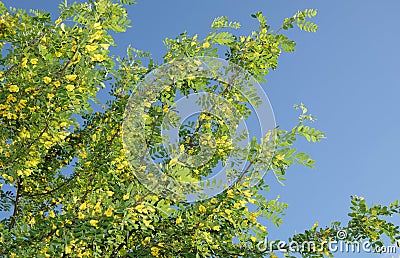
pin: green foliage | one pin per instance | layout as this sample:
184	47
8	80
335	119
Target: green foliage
261	19
300	18
223	22
51	73
128	2
223	38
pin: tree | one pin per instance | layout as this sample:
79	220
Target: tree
110	204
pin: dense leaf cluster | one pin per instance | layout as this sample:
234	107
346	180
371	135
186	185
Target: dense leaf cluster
65	181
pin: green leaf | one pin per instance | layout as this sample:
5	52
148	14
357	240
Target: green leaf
223	22
3	9
128	2
223	38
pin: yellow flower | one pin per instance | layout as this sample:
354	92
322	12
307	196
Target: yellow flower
147	222
97	26
110	193
11	98
34	61
272	255
22	103
68	249
58	54
57	83
98	58
97	36
81	215
91	48
83	206
51	214
146	240
155	251
191	77
202	208
165	108
173	161
247	193
109	212
206	45
24	134
46	79
13	88
230	192
168	55
24	62
71	77
140	208
105	46
97	207
207	237
178	220
48	144
146	103
58	21
216	228
227	211
28	172
32	221
126	196
70	87
203	116
93	222
44	250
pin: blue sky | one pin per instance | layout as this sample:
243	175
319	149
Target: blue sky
348	75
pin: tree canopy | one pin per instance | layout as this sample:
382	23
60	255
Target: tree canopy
78	182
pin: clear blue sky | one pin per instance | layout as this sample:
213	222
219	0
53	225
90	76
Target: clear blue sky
348	74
